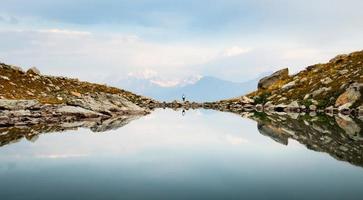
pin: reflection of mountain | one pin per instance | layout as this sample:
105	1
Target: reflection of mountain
206	89
339	136
14	134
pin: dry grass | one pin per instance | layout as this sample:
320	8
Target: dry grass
15	84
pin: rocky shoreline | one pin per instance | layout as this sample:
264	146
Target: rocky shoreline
28	97
31	112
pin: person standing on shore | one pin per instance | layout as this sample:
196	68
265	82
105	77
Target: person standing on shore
183	98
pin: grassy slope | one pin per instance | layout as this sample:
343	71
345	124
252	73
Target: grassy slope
15	84
310	80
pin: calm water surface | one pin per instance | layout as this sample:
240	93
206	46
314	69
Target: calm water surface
202	155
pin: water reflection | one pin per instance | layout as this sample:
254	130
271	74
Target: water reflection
339	136
202	155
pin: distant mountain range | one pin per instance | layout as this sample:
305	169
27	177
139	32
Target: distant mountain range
207	88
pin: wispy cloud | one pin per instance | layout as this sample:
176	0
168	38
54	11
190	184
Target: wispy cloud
230	39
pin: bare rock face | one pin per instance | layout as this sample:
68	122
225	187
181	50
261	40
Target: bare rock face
349	97
267	81
108	104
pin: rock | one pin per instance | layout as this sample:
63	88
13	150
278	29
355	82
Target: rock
246	100
315	102
76	94
288	85
34	71
326	81
109	104
342	72
360	110
338	58
293	104
303	80
18	104
320	90
349	97
267	81
312	107
5	77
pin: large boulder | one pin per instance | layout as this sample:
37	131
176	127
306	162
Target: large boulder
349	97
267	81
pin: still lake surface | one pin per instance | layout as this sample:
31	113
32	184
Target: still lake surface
165	155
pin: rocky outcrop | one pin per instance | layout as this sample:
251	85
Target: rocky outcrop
268	81
15	84
29	112
28	98
332	87
349	97
108	104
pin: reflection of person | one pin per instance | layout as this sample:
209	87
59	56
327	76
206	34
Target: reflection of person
183	97
183	112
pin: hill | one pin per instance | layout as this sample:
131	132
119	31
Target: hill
31	98
333	86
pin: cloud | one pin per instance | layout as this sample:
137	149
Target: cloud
144	74
235	140
65	32
93	56
235	51
9	19
231	39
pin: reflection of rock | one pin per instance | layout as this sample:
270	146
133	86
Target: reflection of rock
114	123
340	137
13	134
273	132
348	125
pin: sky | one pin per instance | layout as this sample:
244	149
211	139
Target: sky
174	41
